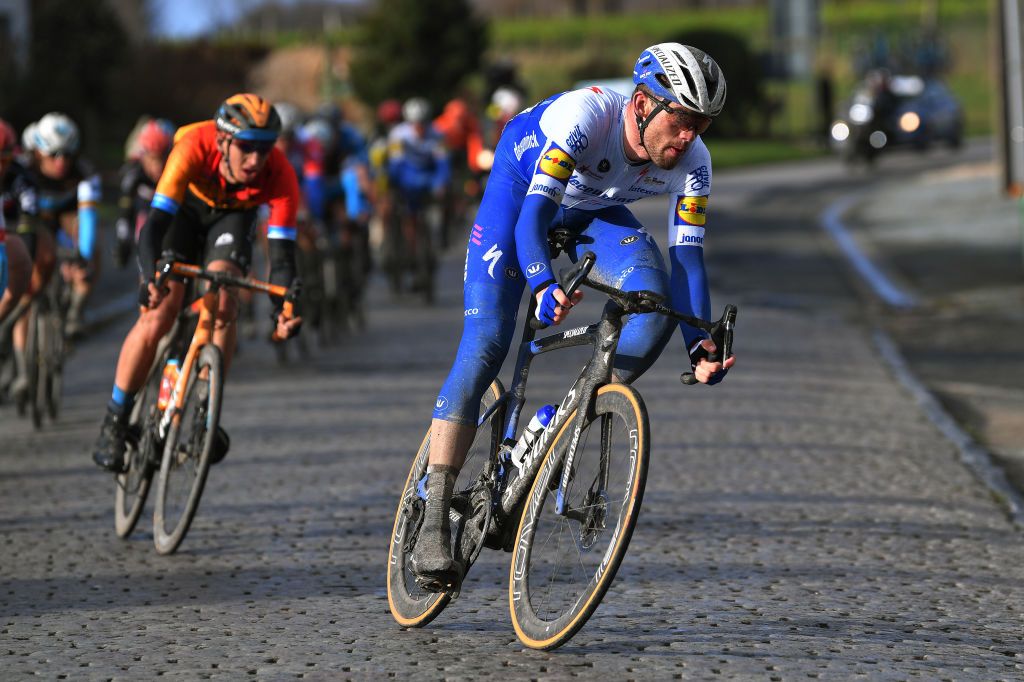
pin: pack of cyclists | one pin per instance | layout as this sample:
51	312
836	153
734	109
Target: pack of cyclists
51	195
208	192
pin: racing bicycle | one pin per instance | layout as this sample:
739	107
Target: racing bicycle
45	351
567	512
178	440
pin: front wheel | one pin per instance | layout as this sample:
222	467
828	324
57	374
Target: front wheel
54	385
412	606
565	559
143	452
35	362
186	459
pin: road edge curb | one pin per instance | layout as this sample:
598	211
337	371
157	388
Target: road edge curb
831	220
976	458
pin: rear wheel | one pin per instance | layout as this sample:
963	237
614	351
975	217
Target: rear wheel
565	560
410	605
186	458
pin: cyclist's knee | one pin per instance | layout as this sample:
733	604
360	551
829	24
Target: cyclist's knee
482	351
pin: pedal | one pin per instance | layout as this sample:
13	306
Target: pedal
440	581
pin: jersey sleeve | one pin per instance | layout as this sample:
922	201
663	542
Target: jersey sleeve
184	161
686	231
567	125
88	217
284	198
688	211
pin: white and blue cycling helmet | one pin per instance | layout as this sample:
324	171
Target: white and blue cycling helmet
684	75
53	134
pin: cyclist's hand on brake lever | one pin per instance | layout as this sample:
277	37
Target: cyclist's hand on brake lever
287	321
287	327
150	295
553	305
706	370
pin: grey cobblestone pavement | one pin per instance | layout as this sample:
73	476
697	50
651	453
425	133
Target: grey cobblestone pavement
802	520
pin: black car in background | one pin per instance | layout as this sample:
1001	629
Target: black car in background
896	111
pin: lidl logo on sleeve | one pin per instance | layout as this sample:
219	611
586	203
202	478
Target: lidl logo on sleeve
691	210
557	163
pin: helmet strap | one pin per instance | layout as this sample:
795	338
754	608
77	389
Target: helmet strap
642	123
226	157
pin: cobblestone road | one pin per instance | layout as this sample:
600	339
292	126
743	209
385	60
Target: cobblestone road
804	519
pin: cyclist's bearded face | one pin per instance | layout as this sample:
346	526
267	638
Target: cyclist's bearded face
246	158
671	133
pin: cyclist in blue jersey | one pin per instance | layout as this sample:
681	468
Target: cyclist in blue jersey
68	197
336	162
418	172
576	160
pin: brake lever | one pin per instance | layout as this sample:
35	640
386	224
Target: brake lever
722	334
576	276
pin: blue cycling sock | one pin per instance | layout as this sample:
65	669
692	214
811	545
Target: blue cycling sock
121	402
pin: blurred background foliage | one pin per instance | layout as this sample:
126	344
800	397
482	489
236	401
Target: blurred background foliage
105	70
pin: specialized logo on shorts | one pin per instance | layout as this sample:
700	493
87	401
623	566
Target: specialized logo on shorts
629	240
691	210
224	239
557	163
492	256
535	269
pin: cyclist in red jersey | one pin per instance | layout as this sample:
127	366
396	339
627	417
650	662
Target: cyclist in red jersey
218	174
17	198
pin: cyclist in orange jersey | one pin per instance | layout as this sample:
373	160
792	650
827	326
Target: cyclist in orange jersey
218	174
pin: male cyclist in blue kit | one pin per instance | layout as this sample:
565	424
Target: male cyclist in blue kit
575	160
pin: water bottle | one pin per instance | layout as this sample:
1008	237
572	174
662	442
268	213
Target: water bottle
167	382
529	437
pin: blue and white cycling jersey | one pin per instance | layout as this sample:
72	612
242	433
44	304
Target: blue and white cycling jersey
417	162
563	163
569	149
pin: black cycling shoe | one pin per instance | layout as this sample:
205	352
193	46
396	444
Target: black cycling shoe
108	452
432	565
221	445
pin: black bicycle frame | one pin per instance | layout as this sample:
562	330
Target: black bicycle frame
604	337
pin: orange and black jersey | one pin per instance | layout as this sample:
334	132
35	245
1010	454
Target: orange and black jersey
194	166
